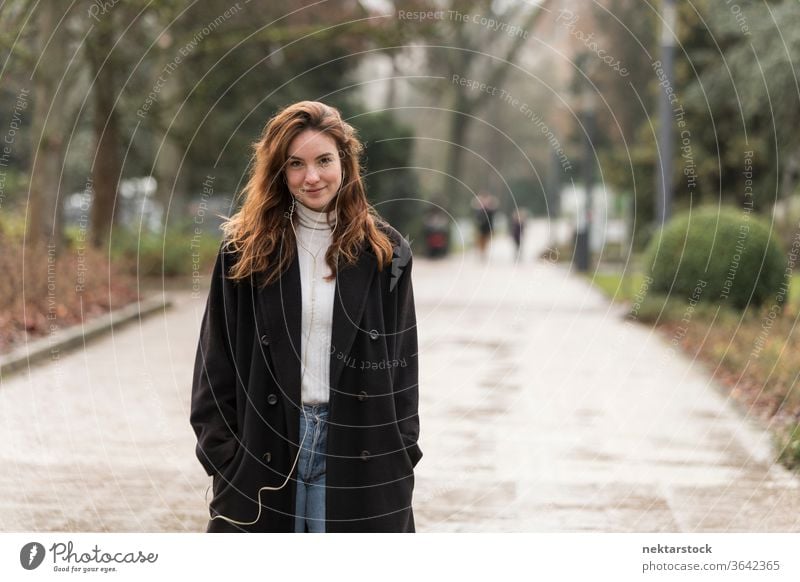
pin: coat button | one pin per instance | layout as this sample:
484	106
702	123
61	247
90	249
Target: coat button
265	340
365	455
267	457
362	396
272	399
373	335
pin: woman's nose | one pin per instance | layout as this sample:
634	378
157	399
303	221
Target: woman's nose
312	176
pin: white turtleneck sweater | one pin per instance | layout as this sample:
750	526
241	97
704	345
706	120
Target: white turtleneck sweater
314	236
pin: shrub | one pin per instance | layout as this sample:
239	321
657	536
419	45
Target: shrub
717	255
176	252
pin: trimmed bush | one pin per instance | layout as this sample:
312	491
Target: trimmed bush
174	253
718	255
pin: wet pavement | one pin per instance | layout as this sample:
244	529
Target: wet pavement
541	409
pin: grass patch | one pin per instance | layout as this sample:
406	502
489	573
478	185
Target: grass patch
618	286
788	445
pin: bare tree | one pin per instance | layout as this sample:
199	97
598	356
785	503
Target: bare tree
107	165
474	51
56	91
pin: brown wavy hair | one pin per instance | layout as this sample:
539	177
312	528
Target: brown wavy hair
258	232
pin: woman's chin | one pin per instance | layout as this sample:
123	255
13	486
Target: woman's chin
317	201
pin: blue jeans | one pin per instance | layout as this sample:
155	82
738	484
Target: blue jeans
310	505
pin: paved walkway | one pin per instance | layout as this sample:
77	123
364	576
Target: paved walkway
541	410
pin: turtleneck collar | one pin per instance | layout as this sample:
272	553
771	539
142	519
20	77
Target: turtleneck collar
308	218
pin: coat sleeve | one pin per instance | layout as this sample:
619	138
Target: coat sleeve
406	384
213	406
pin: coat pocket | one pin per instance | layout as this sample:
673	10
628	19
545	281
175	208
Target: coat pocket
223	477
413	452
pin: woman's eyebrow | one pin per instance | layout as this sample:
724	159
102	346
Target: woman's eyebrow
318	157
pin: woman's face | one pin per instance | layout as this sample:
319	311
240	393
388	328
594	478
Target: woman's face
313	169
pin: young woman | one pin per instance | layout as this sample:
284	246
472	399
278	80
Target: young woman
304	398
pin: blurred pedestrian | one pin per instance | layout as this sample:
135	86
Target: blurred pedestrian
485	207
518	219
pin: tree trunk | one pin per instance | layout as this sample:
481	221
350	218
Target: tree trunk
106	167
44	223
457	131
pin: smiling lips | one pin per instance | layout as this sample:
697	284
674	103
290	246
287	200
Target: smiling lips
313	191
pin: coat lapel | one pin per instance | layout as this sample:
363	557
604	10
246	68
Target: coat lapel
352	289
279	318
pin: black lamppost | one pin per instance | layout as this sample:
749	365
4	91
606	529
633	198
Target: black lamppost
583	251
665	131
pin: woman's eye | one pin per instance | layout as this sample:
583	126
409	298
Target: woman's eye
326	161
294	164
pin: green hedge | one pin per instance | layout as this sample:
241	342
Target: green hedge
717	255
176	252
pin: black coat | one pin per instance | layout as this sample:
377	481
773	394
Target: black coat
246	397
